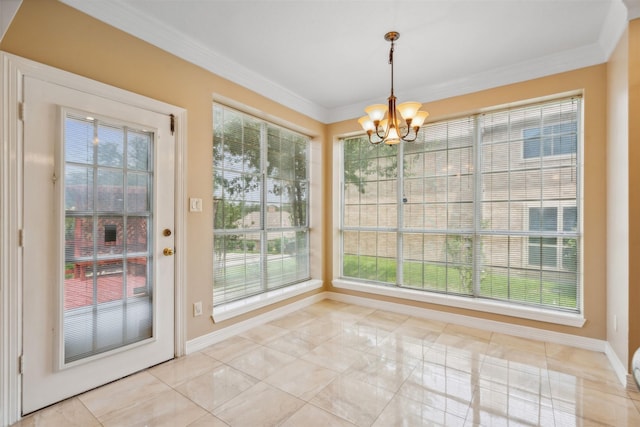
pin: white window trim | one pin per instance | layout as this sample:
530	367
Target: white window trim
477	304
237	308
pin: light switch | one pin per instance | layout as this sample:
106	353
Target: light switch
195	205
197	308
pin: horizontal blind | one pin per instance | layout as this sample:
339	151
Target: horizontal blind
438	208
261	198
370	219
286	208
489	207
529	209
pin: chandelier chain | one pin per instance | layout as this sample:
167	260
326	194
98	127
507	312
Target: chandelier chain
391	62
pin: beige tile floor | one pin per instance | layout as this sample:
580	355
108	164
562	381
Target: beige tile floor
335	364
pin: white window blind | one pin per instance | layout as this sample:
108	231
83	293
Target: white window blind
261	194
486	206
530	256
108	255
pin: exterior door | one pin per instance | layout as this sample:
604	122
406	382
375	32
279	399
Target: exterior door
98	270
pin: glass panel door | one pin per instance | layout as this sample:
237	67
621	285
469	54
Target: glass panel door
98	276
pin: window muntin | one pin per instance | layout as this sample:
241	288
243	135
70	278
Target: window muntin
465	209
261	199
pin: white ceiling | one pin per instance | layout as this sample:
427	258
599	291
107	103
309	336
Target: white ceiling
328	59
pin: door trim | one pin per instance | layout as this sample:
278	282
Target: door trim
13	69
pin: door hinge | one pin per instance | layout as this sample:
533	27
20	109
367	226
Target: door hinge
21	364
21	111
173	123
20	238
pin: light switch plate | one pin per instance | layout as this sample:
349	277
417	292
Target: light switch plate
197	309
195	205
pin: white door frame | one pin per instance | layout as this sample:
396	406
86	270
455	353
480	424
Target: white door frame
12	71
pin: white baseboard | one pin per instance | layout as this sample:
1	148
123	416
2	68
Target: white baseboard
474	322
485	305
204	341
441	316
619	368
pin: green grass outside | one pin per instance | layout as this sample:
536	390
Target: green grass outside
248	274
457	280
417	275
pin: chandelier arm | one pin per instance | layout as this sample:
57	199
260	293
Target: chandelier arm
403	136
371	141
384	134
409	128
415	136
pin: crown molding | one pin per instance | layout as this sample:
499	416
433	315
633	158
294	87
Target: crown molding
123	16
614	25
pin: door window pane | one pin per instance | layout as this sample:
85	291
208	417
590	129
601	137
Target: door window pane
110	190
138	150
78	188
110	143
79	140
107	274
138	196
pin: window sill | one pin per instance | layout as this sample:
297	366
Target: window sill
495	307
236	308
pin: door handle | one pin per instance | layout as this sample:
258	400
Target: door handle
167	251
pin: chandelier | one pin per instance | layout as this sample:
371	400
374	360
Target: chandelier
389	130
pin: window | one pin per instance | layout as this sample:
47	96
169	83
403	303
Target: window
462	211
261	194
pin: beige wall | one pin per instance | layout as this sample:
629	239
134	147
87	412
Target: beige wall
592	82
52	33
634	180
618	198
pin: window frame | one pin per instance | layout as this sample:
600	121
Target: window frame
547	313
264	293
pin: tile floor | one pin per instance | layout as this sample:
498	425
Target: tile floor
335	364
